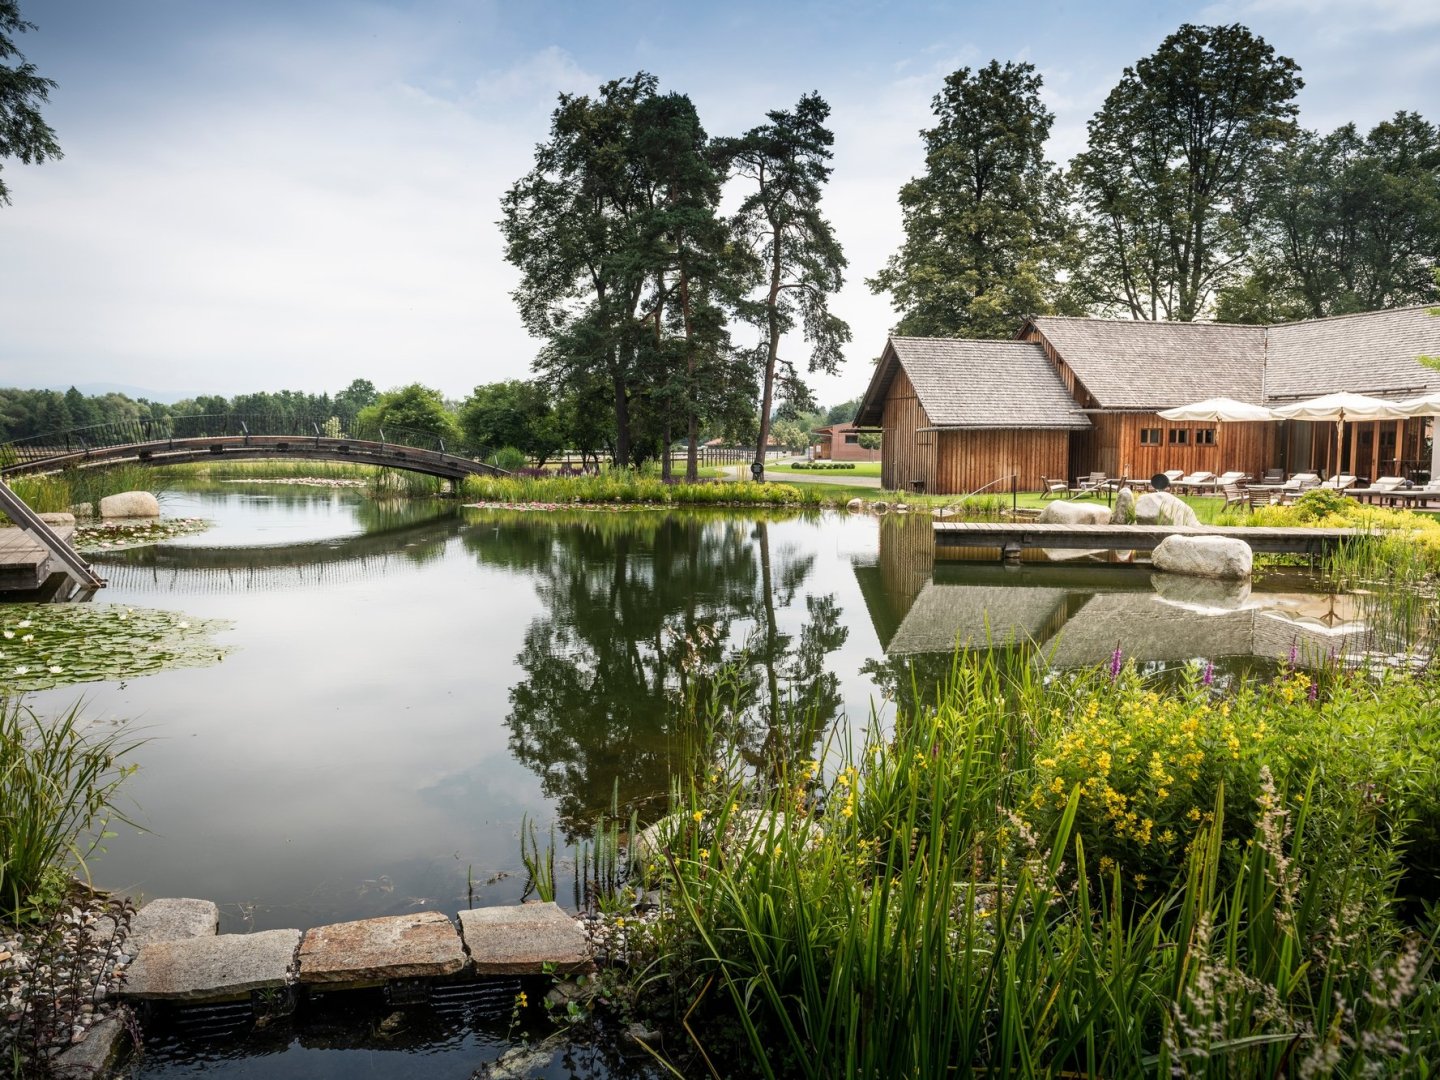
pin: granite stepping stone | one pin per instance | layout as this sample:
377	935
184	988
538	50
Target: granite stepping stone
213	968
171	920
523	939
416	946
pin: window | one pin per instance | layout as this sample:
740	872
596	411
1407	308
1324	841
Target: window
1149	436
1205	436
851	440
1179	436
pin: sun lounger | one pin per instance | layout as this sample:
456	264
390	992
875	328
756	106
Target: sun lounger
1339	482
1199	479
1301	481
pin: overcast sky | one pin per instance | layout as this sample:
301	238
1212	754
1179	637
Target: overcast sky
273	194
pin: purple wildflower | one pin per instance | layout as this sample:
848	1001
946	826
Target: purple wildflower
1314	691
1294	651
1117	658
1209	677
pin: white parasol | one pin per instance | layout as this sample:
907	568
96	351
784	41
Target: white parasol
1427	405
1221	410
1339	408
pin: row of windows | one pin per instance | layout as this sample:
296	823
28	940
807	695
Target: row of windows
1151	436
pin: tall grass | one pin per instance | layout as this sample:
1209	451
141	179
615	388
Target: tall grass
951	915
59	492
58	781
625	487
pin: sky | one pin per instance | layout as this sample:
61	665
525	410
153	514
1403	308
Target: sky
270	194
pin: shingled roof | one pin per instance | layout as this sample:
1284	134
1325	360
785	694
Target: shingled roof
1130	364
1371	353
965	383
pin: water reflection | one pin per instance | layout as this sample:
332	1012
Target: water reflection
925	604
647	614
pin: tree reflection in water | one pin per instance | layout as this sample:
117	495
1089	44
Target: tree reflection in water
645	613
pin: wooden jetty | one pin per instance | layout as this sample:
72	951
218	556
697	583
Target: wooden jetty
1011	538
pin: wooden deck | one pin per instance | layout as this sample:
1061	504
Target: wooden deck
25	563
1014	537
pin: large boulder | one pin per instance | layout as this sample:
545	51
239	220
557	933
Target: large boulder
1204	556
130	504
1062	512
1162	508
1124	511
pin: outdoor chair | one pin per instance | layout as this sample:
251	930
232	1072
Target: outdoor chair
1274	476
1301	481
1234	496
1389	483
1273	497
1173	474
1052	488
1339	482
1092	486
1198	479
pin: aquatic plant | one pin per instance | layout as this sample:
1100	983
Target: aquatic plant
58	779
48	645
942	919
621	486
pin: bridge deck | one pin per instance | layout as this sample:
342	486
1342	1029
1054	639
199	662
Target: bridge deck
1016	536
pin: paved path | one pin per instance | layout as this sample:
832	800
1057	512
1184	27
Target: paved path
840	477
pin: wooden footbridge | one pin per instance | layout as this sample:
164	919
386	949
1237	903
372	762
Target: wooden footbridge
1011	538
182	439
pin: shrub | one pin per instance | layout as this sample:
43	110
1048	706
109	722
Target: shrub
509	459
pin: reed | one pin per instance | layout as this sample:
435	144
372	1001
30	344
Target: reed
59	492
621	486
964	905
58	782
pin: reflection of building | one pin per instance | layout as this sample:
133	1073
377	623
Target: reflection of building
1076	616
841	442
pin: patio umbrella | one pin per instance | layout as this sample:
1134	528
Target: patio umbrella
1339	408
1428	405
1220	410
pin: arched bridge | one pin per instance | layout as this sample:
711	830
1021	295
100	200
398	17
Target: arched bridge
177	440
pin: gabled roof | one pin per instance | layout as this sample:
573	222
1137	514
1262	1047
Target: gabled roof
1370	353
966	383
1132	364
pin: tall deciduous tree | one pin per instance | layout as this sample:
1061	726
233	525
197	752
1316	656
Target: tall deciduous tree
1169	180
572	227
786	165
984	224
23	132
413	408
1348	223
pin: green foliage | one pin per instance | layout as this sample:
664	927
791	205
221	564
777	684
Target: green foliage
23	133
984	224
54	493
411	408
508	458
1346	224
1174	162
928	927
58	778
515	414
619	486
784	164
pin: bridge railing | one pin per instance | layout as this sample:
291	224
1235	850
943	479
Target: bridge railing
38	449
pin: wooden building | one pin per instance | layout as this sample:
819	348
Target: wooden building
841	442
960	414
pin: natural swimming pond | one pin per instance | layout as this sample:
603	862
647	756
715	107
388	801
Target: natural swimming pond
404	685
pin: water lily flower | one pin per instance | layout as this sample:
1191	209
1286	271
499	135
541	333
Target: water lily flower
56	669
23	623
28	637
22	670
9	634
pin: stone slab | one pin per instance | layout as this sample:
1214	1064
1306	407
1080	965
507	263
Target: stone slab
523	939
104	1045
213	968
174	919
416	946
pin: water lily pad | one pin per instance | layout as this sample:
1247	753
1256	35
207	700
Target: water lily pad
48	645
113	535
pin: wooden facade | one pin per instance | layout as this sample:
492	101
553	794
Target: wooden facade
918	457
1139	445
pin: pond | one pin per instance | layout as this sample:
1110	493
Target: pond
403	686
